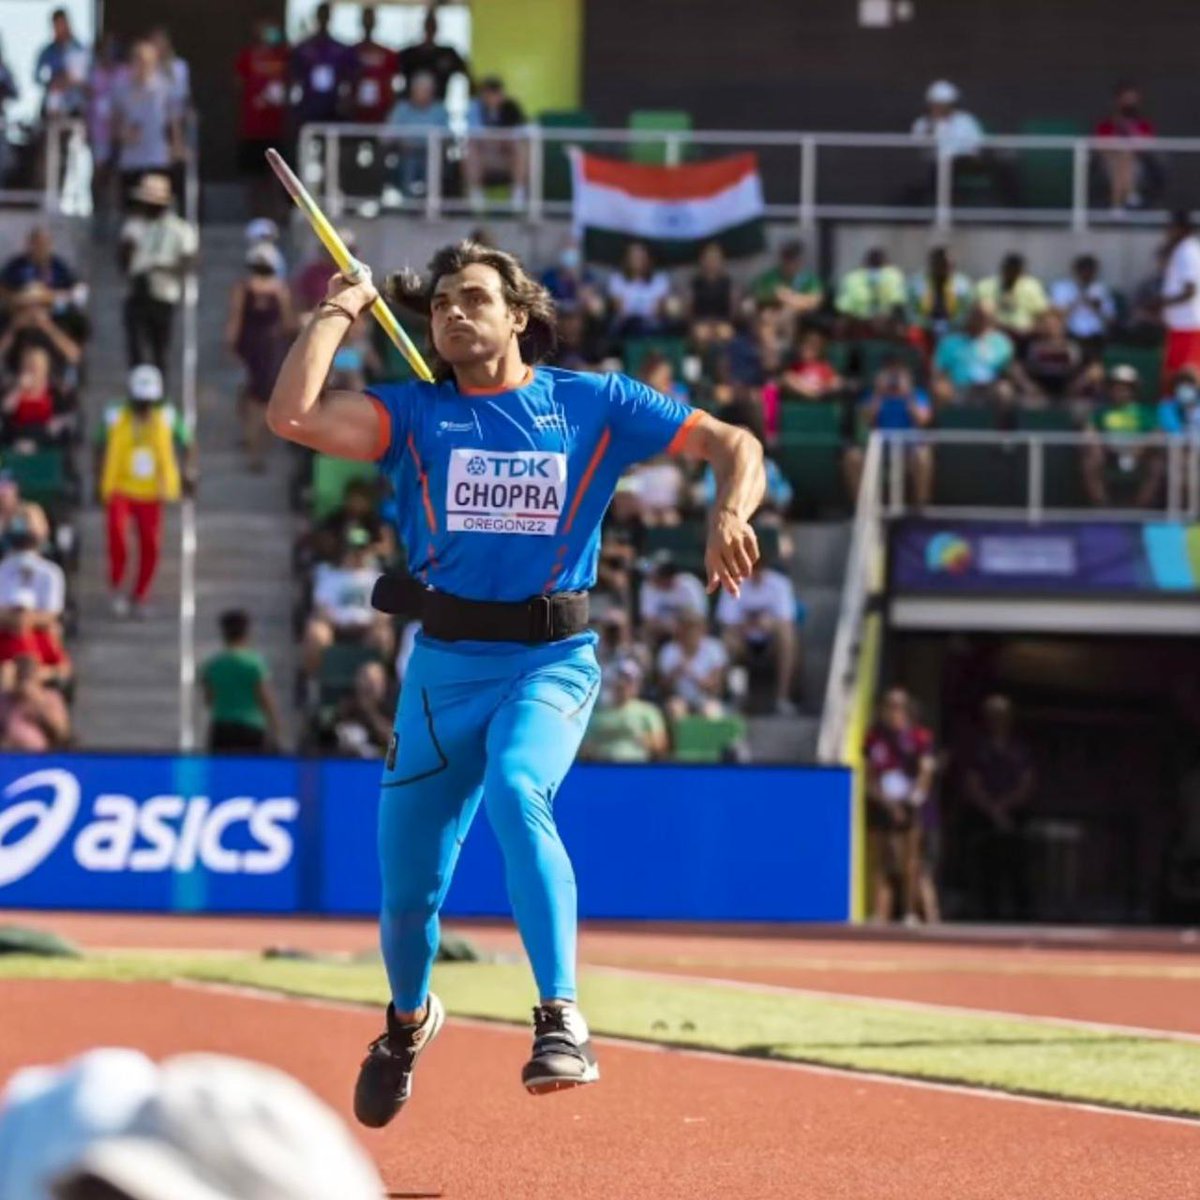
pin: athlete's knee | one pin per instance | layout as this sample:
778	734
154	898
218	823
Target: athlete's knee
409	908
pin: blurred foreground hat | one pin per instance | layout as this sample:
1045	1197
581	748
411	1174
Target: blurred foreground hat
1124	373
198	1127
262	229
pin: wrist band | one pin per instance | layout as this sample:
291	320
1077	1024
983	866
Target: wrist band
333	306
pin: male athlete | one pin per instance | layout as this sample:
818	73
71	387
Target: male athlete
503	470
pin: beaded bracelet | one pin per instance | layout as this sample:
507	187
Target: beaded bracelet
333	306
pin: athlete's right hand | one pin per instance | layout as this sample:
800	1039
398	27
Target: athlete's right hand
354	295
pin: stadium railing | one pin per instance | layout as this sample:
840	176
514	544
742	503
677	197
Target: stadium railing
64	163
1018	475
807	176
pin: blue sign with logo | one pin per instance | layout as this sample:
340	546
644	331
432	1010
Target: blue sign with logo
196	834
152	833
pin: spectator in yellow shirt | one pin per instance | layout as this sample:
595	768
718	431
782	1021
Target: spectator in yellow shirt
871	299
140	475
1014	297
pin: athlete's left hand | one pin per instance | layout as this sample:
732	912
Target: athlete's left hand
731	552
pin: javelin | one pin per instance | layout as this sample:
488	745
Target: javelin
347	263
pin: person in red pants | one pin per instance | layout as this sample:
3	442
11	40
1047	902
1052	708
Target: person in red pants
1181	296
140	475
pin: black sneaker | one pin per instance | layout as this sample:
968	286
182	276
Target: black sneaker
562	1051
385	1077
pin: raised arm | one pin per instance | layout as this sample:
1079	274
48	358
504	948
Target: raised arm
737	462
343	424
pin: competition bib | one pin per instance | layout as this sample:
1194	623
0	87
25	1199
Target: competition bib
142	464
522	491
274	93
322	78
369	92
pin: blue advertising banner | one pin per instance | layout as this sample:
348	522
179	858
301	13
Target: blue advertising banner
196	834
1056	557
728	843
152	833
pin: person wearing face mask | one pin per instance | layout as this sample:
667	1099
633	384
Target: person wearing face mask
260	70
1130	172
139	476
260	319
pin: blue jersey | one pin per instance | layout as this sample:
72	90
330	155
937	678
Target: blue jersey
500	495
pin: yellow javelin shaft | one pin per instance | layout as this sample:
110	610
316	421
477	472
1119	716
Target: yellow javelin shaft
346	262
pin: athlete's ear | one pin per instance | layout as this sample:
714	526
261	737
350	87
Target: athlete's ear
520	319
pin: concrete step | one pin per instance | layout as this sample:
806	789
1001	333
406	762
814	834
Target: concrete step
783	739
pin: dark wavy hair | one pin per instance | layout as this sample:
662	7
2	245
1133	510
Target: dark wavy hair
413	292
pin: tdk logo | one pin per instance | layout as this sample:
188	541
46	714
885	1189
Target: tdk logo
499	467
240	835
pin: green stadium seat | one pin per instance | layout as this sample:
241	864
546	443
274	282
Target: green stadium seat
1063	485
965	416
41	476
839	355
1045	176
635	350
684	543
813	467
329	479
810	418
1147	361
339	665
657	120
556	168
705	739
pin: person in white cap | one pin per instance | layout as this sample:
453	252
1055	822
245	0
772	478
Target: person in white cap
957	132
140	474
262	231
157	249
112	1124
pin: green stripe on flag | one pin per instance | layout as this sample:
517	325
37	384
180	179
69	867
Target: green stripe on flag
738	241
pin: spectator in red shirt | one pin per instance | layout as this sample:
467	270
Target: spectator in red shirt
33	407
900	766
1131	173
20	637
261	71
375	71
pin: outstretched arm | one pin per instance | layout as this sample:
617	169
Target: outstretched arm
737	462
343	424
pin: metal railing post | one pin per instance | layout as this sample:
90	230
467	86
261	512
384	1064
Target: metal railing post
333	185
1079	187
1174	479
672	147
808	183
1037	480
896	479
433	174
943	199
52	201
537	150
1193	461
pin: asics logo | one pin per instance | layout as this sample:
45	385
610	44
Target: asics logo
51	820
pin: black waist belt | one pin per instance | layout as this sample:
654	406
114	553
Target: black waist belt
453	619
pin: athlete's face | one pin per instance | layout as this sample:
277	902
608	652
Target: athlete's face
471	321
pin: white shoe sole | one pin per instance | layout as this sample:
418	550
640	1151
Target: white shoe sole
544	1085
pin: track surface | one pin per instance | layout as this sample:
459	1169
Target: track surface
1155	990
662	1125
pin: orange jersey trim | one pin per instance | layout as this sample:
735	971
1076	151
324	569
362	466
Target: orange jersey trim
693	419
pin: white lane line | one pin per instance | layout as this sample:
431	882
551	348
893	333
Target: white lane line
827	1072
916	1006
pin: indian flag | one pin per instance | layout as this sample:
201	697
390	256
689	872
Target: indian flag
675	210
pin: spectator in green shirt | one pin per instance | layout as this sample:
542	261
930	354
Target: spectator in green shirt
244	717
789	285
872	299
629	730
1115	470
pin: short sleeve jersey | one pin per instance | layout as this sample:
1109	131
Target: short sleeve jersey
500	495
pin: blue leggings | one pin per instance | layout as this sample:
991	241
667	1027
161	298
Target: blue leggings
503	728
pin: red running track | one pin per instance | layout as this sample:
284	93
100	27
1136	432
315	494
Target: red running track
662	1125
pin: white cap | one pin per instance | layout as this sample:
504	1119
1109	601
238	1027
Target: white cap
48	1115
262	229
207	1128
265	254
145	383
941	91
